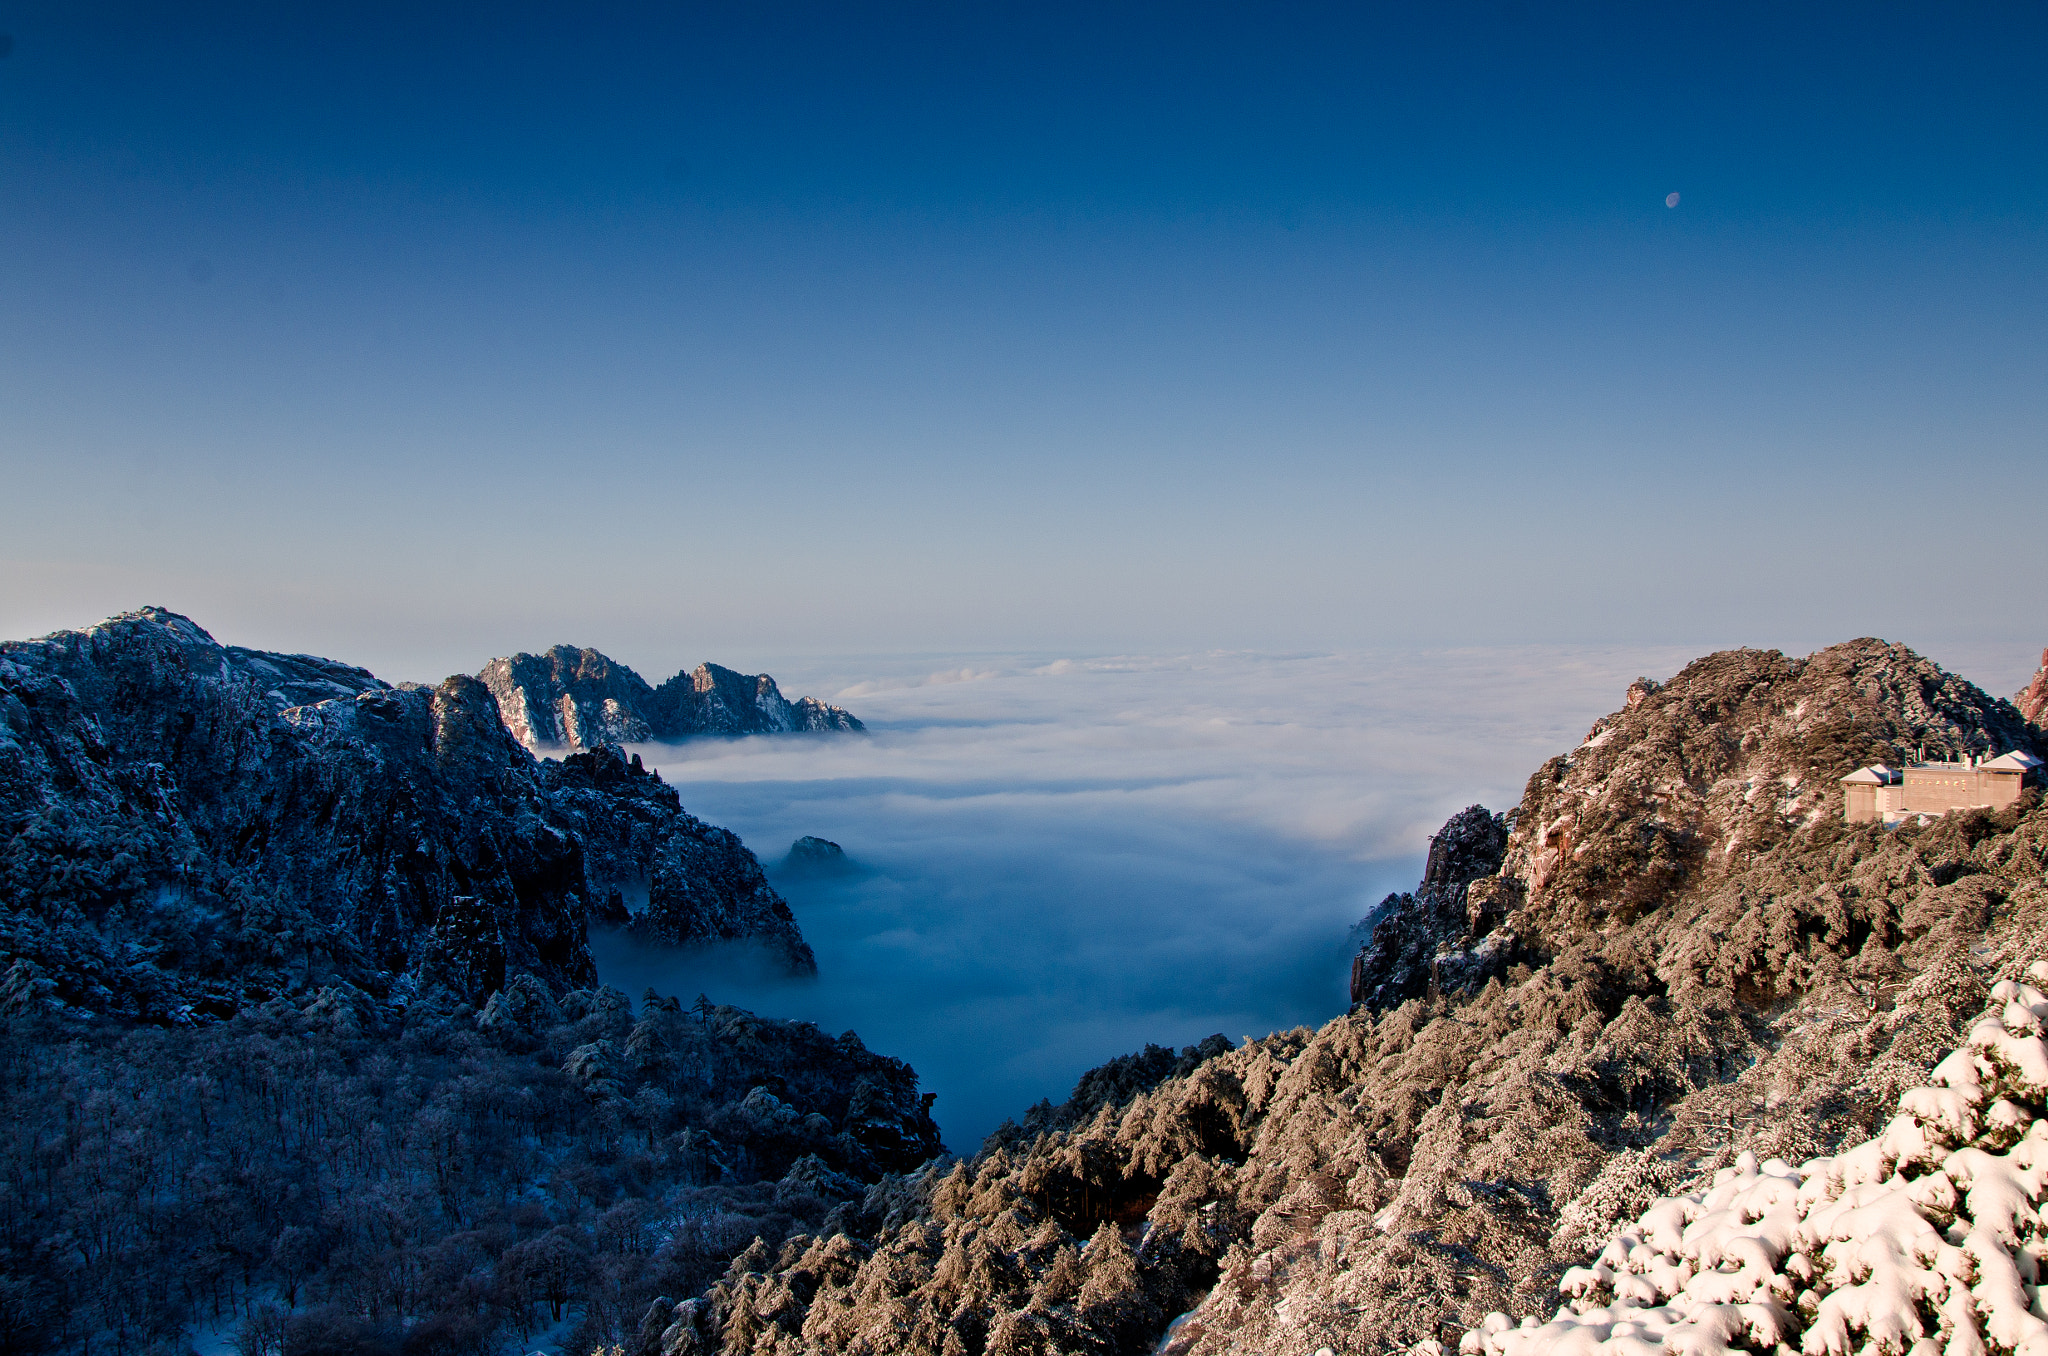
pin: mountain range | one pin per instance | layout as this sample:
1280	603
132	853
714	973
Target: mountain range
301	1036
302	1039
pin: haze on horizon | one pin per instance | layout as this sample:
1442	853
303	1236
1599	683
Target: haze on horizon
417	337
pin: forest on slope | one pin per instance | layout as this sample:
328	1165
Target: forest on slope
300	1030
349	1176
1925	1237
1673	951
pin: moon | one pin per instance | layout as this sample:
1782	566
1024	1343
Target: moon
1671	200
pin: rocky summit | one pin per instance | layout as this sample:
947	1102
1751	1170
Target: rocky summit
191	828
577	699
1733	757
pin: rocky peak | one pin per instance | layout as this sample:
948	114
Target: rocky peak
1405	933
1467	847
712	699
2032	700
815	858
574	699
811	849
1689	781
1732	754
568	697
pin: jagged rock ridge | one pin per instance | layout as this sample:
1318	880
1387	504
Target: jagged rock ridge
568	698
1684	954
191	828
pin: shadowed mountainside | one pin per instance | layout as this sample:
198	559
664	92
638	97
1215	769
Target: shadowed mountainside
300	1035
191	828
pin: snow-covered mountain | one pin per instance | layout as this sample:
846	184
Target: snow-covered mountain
300	1034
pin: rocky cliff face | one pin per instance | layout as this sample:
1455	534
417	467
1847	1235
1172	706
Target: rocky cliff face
1683	954
577	699
569	698
191	828
1408	932
2032	700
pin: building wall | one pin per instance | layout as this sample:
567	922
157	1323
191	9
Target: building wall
1939	787
1862	803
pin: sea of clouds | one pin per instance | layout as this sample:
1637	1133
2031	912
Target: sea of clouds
1061	859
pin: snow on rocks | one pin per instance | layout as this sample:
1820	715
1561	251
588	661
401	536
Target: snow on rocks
1926	1240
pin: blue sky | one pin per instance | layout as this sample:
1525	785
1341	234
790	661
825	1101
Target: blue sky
770	328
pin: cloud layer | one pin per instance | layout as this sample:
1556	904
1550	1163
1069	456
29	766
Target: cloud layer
1062	859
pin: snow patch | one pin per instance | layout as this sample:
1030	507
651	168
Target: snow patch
1926	1240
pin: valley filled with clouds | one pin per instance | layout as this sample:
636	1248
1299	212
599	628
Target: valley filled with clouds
1054	861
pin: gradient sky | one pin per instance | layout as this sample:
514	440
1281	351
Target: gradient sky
417	338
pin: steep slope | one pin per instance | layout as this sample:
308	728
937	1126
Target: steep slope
2032	700
1925	1235
191	828
577	699
1684	954
336	1173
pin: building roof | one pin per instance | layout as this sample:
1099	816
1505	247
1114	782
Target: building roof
1877	774
2012	762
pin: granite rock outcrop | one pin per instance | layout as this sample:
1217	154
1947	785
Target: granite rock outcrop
1406	933
569	698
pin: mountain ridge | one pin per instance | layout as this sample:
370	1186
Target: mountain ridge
191	827
571	698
